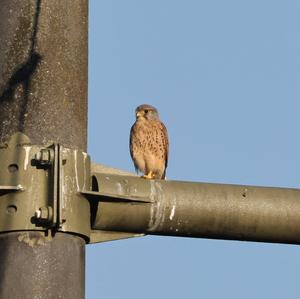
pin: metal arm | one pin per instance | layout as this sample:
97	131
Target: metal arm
188	209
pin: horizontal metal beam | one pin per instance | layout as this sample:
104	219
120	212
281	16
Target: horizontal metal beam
186	209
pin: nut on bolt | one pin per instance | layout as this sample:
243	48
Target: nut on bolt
45	156
44	213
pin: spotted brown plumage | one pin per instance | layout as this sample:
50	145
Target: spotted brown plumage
149	145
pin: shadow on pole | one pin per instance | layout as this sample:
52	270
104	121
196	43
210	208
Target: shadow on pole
23	73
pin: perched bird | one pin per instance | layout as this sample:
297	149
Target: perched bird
149	145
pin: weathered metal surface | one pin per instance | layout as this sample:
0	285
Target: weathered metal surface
27	186
43	71
188	209
37	266
74	176
48	181
96	195
8	189
98	236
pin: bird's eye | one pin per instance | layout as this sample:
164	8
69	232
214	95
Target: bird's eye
146	111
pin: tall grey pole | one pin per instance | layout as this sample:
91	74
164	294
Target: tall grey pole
43	94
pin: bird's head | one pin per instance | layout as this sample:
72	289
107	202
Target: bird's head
147	112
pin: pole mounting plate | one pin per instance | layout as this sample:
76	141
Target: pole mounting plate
40	187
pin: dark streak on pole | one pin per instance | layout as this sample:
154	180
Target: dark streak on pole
43	73
43	93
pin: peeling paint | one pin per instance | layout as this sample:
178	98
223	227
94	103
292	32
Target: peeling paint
119	188
157	210
33	241
84	169
172	212
76	172
26	160
63	191
20	187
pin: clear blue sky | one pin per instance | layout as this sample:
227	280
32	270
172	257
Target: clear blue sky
225	77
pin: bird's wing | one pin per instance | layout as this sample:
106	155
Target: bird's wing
165	143
131	146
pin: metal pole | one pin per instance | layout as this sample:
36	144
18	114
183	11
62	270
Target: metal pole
43	93
186	209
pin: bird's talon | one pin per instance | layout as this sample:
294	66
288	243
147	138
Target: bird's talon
148	176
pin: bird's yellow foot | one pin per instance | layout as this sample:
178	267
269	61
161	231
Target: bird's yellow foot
149	176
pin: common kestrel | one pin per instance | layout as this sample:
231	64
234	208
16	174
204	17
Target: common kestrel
149	145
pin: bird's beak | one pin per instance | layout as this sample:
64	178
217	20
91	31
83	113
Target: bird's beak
140	114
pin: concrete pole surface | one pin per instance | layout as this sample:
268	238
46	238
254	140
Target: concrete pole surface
43	94
43	71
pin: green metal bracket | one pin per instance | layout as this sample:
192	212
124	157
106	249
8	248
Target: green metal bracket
129	190
69	173
8	189
22	185
105	182
74	175
53	187
39	187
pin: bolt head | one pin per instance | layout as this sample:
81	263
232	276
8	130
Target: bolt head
44	213
44	156
37	214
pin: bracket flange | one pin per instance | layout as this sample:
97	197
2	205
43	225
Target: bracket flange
40	187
